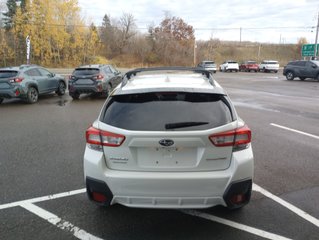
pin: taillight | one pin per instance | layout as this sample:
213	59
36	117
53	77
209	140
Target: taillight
239	137
16	80
98	77
98	137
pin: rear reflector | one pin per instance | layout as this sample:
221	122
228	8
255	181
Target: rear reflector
103	138
239	136
98	197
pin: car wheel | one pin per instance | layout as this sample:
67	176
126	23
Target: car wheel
61	89
302	78
290	75
1	100
75	96
32	95
276	71
317	77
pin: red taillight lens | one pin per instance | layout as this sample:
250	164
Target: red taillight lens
239	136
103	138
16	80
100	76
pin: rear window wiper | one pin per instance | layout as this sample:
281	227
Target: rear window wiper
183	124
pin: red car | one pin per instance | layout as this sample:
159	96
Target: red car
248	66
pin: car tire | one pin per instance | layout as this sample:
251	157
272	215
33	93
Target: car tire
317	77
1	100
302	78
290	75
75	96
61	89
32	95
276	71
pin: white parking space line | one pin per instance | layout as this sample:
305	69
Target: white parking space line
40	199
236	225
291	207
58	222
294	130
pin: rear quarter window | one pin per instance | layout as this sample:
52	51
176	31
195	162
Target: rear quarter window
154	111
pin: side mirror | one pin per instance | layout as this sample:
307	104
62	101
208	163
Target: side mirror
51	74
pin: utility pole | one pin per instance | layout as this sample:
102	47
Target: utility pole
240	34
195	46
316	41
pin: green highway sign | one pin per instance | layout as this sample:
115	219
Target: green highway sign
309	50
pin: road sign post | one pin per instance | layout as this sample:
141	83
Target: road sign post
28	43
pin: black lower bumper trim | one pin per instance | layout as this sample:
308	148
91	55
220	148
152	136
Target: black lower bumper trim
98	186
238	188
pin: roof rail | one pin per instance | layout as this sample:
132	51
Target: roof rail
131	73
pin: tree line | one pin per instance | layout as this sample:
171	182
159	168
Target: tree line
61	37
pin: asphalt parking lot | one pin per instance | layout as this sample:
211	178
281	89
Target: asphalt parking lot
41	170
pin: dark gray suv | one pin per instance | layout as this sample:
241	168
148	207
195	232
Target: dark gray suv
97	79
28	82
302	69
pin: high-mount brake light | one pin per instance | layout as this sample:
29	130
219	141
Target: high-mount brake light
98	137
238	137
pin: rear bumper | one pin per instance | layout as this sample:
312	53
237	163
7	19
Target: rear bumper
171	189
16	92
86	88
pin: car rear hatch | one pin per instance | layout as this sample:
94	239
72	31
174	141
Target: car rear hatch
166	132
7	78
85	76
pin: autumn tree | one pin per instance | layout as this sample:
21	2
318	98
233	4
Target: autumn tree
173	41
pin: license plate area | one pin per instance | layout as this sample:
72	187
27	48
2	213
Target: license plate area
167	157
84	82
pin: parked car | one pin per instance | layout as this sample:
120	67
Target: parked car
97	79
229	66
269	66
302	69
169	138
208	65
248	66
27	82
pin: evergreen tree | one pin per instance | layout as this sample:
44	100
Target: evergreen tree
9	15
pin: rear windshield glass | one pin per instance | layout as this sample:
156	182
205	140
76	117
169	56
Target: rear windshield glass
86	71
232	62
251	62
167	111
8	74
209	63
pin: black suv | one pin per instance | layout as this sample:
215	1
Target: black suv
97	79
302	69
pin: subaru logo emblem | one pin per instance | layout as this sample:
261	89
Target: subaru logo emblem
166	142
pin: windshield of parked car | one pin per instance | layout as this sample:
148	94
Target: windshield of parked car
167	111
86	71
251	62
8	74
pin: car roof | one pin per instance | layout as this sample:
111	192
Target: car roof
19	68
169	79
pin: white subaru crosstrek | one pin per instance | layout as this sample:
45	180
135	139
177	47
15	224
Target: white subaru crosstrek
169	138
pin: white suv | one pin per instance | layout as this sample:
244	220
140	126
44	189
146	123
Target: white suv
169	138
269	66
229	65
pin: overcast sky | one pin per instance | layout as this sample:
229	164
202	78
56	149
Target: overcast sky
283	21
